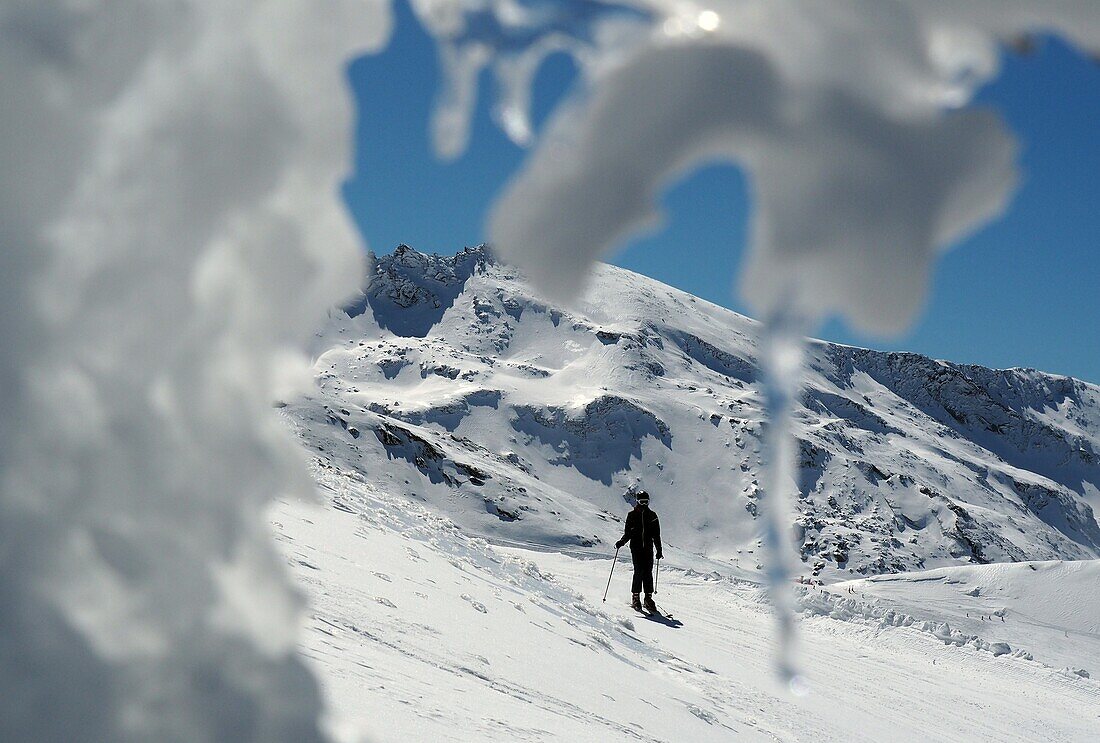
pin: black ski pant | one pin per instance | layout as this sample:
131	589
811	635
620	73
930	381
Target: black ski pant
643	573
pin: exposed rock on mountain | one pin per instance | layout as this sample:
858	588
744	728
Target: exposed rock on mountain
527	423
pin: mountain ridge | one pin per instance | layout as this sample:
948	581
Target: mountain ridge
526	422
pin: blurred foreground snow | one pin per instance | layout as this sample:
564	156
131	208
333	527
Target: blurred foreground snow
171	234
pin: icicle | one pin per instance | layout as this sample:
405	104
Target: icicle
461	66
515	75
515	37
783	346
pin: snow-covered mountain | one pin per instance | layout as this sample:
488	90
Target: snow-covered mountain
452	383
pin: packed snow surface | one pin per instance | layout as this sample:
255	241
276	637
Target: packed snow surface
421	632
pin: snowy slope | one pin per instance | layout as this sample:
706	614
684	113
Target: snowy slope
453	384
1050	610
421	632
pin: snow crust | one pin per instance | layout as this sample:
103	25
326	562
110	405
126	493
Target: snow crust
842	115
171	237
1048	611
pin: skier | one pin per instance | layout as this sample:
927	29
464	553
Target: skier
643	531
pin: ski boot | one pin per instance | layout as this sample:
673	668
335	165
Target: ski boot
649	605
636	603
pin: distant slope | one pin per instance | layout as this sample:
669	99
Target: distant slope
452	383
1050	610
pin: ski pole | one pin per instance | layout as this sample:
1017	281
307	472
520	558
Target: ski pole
612	573
656	575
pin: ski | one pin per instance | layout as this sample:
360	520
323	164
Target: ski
654	615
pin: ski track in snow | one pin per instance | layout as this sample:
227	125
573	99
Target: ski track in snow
421	632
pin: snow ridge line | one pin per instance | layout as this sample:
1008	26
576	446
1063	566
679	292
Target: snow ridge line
818	602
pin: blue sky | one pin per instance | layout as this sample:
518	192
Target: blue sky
1025	291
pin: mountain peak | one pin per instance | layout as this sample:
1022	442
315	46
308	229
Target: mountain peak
527	422
405	254
409	291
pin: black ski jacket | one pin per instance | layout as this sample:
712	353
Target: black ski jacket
643	531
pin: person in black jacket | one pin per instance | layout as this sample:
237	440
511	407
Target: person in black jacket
643	531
